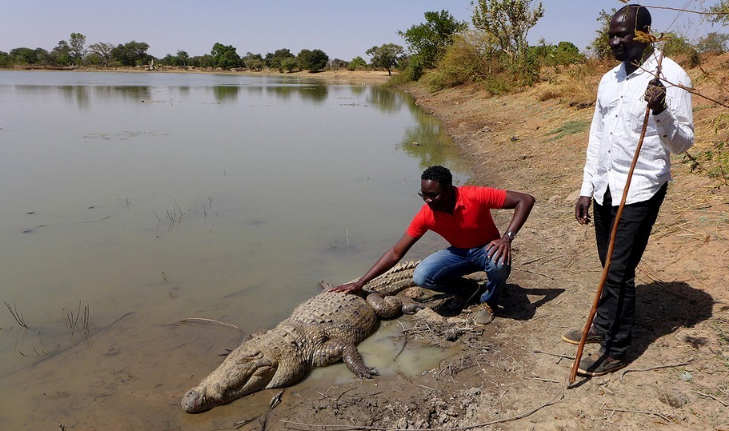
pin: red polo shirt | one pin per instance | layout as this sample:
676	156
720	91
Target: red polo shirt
471	224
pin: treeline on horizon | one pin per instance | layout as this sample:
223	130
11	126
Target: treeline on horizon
494	48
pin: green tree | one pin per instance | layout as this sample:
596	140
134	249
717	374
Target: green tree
204	61
567	53
338	63
357	63
680	49
562	54
43	56
170	60
254	64
23	56
131	54
183	56
78	51
289	64
61	54
386	56
509	21
274	60
4	59
714	43
224	56
313	61
253	61
103	51
600	46
429	40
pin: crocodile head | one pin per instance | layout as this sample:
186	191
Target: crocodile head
243	372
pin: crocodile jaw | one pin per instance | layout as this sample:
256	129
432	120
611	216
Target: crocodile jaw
238	376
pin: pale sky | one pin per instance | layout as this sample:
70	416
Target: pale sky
341	28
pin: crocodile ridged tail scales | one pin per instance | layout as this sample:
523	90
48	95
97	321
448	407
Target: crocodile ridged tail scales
397	279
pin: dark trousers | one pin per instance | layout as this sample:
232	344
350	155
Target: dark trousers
616	307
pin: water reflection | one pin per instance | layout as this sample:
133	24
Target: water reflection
80	95
385	99
226	93
128	93
359	89
428	142
317	93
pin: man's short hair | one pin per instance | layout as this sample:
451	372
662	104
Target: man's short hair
642	17
438	173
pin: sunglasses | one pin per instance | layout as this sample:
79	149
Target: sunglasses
429	195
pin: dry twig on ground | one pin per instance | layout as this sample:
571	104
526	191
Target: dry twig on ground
557	398
658	367
202	319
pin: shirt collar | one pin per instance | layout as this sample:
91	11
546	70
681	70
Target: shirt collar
650	64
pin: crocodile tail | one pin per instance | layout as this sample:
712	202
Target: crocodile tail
385	308
397	279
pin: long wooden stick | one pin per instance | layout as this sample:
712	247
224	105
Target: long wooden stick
613	234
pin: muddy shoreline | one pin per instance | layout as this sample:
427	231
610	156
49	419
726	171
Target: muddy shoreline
513	374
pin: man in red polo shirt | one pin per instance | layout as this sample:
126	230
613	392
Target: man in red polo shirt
462	216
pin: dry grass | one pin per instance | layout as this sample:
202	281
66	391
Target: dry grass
575	84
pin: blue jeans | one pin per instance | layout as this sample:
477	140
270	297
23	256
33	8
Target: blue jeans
443	267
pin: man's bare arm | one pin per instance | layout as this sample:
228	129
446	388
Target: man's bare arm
387	261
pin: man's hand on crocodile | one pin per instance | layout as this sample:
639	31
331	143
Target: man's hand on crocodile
352	287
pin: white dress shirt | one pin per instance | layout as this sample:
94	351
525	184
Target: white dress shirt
617	125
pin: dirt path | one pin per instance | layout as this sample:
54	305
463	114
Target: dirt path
513	374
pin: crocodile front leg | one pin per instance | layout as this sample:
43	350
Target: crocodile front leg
332	351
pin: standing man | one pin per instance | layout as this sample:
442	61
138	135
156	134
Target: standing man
614	136
461	215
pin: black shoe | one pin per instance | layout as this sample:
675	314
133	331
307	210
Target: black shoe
600	365
574	336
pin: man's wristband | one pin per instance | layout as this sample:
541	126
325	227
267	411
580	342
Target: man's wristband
510	234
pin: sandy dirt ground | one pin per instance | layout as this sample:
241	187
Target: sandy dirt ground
513	374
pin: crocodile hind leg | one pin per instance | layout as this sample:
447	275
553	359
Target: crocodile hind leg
334	350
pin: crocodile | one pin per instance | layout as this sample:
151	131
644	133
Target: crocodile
321	331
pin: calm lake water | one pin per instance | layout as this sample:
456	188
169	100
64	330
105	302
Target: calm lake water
132	201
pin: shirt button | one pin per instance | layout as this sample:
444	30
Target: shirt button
665	136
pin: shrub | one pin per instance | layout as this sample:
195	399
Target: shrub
289	64
357	63
413	70
462	63
679	49
713	43
562	54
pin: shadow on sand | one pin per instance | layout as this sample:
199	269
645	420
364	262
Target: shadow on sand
514	301
517	305
663	308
